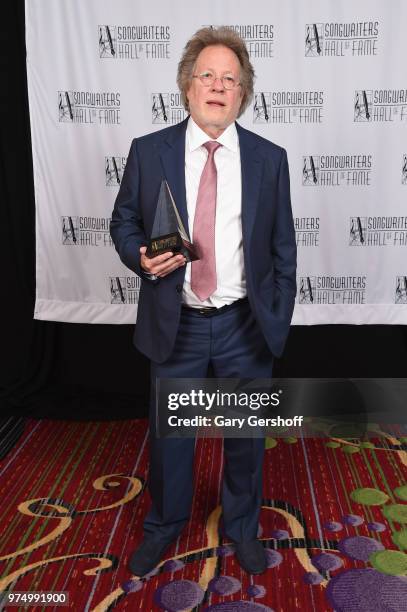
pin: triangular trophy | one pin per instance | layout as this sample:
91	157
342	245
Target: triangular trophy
168	231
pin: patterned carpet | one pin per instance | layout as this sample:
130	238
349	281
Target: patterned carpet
333	522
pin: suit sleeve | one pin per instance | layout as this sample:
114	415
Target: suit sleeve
126	226
283	245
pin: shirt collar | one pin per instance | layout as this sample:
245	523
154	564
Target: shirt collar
197	137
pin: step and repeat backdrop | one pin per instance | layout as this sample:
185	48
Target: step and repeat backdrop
331	87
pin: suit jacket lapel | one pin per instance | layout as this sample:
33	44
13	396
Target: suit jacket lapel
252	167
172	154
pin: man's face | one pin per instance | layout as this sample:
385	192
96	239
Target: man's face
213	108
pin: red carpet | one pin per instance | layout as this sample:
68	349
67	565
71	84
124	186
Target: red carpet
333	522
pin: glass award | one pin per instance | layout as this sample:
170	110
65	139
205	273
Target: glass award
168	232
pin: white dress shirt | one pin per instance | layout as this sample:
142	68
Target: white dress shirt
230	273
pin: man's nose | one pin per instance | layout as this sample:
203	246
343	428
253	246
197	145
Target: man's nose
218	84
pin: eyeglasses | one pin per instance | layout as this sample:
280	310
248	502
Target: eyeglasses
207	79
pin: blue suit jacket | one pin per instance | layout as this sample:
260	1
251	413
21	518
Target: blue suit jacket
268	234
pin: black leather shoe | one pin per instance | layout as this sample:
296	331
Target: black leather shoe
145	558
251	556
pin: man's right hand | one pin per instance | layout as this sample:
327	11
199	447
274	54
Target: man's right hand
161	265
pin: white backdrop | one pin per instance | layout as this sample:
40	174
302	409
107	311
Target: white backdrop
331	87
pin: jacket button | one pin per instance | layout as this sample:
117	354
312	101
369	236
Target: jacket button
178	288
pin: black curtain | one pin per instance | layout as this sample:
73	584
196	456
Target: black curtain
64	370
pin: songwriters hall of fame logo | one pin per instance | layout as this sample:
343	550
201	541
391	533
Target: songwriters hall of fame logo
314	39
404	170
401	290
288	107
310	170
86	231
306	290
114	168
87	107
107	41
378	231
380	105
124	289
167	108
331	290
341	39
65	106
258	37
134	42
336	170
363	105
357	231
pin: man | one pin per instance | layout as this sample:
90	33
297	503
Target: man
232	308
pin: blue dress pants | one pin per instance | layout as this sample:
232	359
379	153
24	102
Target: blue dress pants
231	341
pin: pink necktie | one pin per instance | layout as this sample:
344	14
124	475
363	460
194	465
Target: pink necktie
203	271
